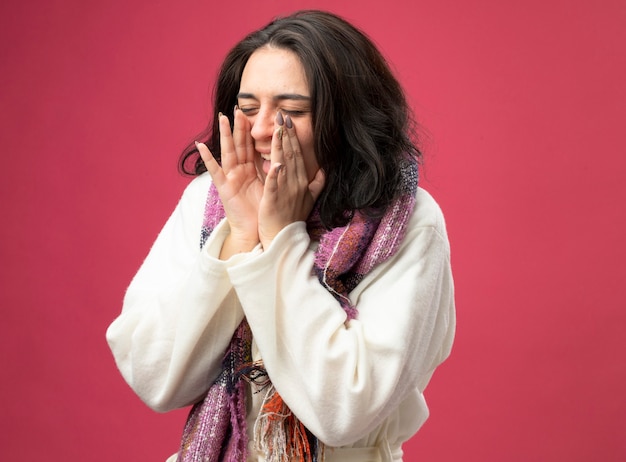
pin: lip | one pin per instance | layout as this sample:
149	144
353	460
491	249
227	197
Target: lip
264	162
264	154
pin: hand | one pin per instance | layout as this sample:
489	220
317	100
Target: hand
237	183
288	195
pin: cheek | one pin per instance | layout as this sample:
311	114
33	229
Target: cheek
305	138
305	135
306	144
310	160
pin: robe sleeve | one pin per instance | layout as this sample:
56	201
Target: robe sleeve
179	312
342	379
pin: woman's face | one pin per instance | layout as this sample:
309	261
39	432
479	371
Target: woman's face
274	80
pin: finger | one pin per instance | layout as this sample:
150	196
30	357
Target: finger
242	138
277	153
229	155
270	188
214	169
317	185
293	152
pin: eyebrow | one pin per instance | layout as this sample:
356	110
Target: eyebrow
279	97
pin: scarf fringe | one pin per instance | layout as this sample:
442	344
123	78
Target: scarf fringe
280	435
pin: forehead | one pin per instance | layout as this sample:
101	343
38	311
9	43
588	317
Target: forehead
274	70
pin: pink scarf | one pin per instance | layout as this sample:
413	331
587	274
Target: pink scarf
215	430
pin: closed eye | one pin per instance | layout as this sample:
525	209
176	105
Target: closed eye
294	112
249	110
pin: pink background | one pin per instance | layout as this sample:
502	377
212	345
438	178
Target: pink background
524	106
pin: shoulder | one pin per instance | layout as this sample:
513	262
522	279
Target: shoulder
427	227
198	187
427	213
189	211
195	193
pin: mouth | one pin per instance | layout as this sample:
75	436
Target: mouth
266	162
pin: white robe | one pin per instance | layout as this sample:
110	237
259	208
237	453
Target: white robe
356	384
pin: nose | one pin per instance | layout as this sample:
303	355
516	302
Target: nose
263	124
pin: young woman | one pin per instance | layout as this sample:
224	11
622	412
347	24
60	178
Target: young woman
300	295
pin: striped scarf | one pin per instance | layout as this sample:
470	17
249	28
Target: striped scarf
215	430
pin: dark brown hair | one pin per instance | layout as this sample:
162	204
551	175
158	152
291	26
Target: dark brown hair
362	124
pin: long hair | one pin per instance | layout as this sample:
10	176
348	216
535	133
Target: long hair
362	124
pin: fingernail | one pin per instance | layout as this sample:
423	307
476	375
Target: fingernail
280	133
279	167
219	115
279	118
197	144
288	121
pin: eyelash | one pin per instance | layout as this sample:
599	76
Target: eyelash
292	113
